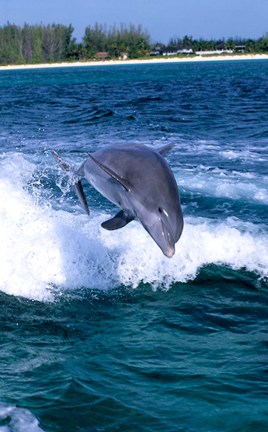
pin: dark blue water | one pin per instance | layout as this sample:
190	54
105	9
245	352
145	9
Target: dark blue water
99	331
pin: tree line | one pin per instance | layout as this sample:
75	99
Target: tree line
55	43
259	45
34	43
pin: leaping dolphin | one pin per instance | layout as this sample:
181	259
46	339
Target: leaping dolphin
137	179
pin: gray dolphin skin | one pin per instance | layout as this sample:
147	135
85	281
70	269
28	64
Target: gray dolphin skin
139	181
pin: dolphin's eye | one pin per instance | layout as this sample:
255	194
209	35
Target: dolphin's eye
160	210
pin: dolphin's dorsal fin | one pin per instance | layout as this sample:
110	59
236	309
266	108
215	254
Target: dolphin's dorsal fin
165	149
120	220
111	173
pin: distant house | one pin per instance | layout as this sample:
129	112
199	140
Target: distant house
123	56
102	55
214	52
240	48
156	51
185	51
168	51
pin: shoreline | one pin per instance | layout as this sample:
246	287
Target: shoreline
138	61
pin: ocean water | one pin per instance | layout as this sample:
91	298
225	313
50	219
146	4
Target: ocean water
100	331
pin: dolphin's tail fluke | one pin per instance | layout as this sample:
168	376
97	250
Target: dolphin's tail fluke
65	166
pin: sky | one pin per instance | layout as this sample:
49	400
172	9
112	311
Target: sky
163	19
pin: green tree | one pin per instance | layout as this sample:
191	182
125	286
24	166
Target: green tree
262	44
230	44
95	39
56	40
133	41
187	42
11	44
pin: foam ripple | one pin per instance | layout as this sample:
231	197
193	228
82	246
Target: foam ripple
13	419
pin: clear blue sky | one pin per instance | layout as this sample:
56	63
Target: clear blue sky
162	18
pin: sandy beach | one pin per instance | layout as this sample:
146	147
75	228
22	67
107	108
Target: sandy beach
135	62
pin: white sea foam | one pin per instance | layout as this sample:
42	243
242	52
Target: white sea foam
44	251
221	183
16	419
247	154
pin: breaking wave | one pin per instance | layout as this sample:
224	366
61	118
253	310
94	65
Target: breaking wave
47	250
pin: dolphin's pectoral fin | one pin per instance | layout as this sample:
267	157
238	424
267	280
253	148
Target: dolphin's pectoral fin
111	173
120	220
81	196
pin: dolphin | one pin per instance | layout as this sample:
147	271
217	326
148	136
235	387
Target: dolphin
139	181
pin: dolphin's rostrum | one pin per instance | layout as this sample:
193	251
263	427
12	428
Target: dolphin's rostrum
137	179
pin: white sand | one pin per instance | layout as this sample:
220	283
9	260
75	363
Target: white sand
147	61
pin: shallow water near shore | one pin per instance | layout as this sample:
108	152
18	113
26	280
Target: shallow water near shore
100	331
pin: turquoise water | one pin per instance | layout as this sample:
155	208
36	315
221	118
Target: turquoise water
99	331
